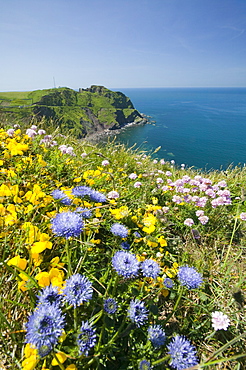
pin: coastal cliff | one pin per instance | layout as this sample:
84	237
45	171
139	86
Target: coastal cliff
78	113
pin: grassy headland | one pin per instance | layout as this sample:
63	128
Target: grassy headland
113	260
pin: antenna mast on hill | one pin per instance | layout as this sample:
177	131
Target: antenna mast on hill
54	82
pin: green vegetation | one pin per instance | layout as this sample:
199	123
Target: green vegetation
77	113
170	217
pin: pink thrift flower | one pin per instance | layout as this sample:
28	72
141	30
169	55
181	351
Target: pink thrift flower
203	219
113	194
199	213
162	161
168	173
41	132
243	216
132	176
105	162
137	184
188	222
10	131
220	321
30	132
83	155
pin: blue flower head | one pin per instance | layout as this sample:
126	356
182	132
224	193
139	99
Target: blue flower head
182	352
110	305
189	277
84	212
119	230
86	338
126	264
81	191
67	224
156	335
78	289
168	283
44	327
50	295
98	197
60	195
125	245
137	312
150	268
144	365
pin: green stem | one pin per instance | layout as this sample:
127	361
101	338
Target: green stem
69	267
75	317
163	359
181	289
232	236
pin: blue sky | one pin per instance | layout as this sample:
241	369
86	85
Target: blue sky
122	43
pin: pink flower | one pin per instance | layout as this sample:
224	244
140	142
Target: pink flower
220	321
41	132
113	194
188	222
30	132
243	216
132	176
168	173
105	162
199	213
137	184
10	131
203	219
162	161
83	155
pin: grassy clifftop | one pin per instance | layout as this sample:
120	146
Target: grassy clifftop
77	113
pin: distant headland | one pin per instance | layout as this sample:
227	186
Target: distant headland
78	113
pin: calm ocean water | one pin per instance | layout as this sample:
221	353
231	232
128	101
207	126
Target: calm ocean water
200	127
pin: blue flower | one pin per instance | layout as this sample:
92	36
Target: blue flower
67	224
137	313
86	338
150	268
110	305
81	191
119	230
156	335
84	212
97	197
60	195
50	295
78	289
144	365
168	283
189	277
183	353
126	264
125	245
44	327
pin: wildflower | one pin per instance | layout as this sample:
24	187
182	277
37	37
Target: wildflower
133	176
188	222
150	268
199	213
126	264
44	327
168	173
113	194
67	224
31	132
168	283
50	295
84	212
137	184
189	277
105	162
81	191
162	161
86	338
156	335
137	313
243	216
97	197
110	306
125	245
18	261
60	195
220	321
83	155
203	219
78	289
41	132
183	353
144	365
119	230
10	132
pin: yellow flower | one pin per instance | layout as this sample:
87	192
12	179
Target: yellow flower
162	241
55	262
56	277
149	223
4	191
18	261
43	279
44	243
152	244
121	212
32	232
77	179
61	356
71	367
29	363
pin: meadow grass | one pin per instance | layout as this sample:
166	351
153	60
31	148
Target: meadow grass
187	225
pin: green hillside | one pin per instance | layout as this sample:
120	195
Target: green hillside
78	113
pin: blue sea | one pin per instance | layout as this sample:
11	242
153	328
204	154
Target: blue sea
200	127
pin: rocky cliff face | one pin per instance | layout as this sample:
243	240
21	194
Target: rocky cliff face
87	111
